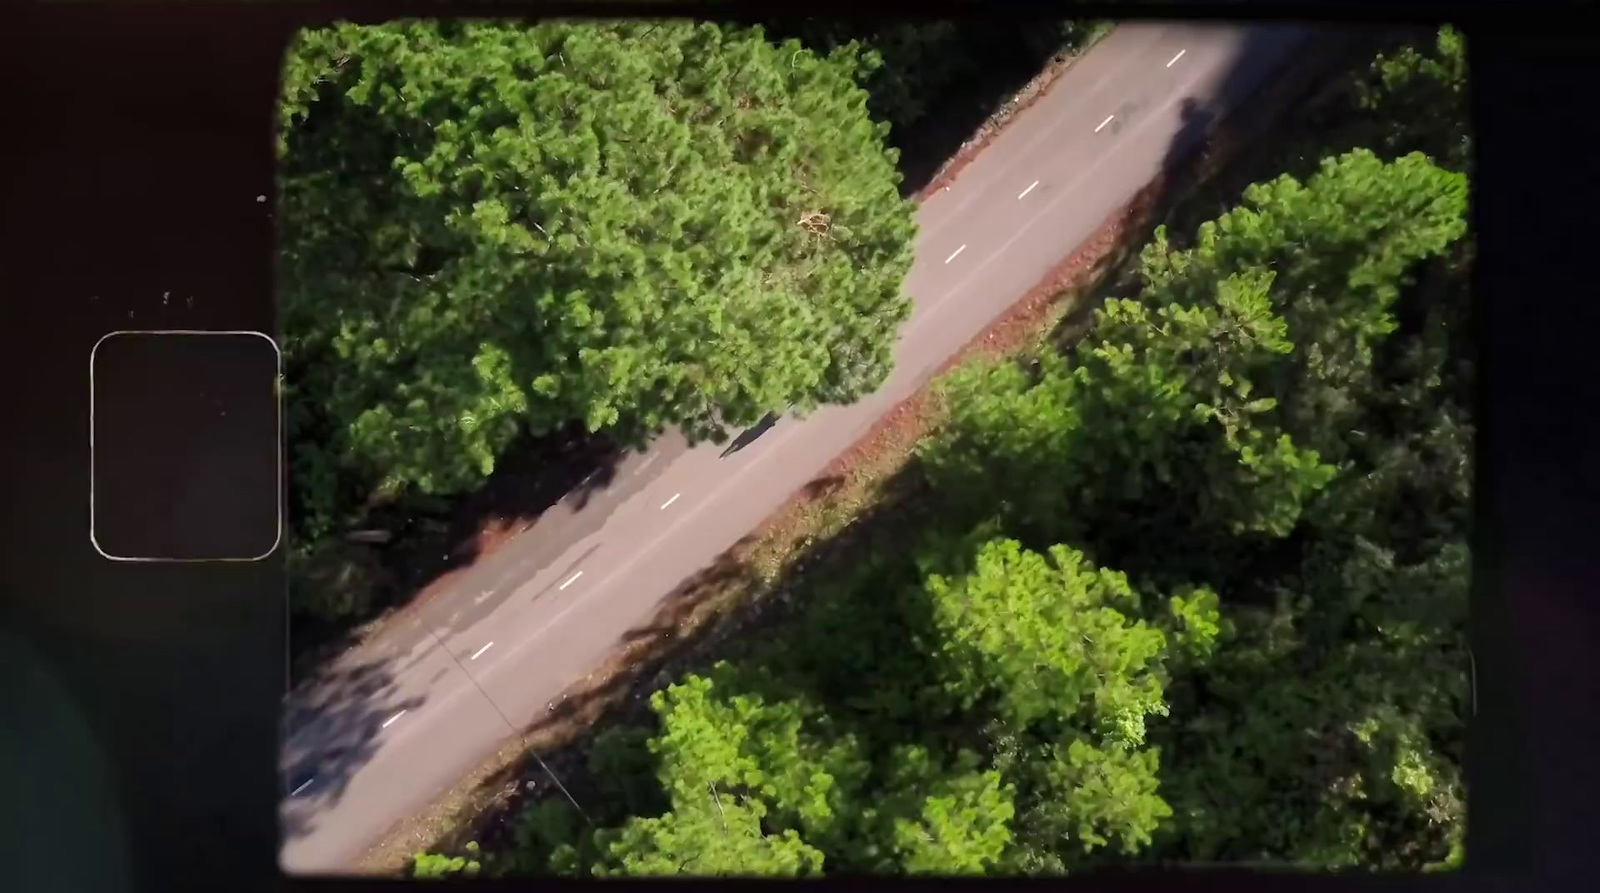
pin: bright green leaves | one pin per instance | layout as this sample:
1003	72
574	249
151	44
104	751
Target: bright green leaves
1054	643
1103	796
435	866
1193	433
746	777
1029	641
1171	406
715	834
1194	623
1159	422
942	819
1048	635
1217	404
1340	247
488	228
718	731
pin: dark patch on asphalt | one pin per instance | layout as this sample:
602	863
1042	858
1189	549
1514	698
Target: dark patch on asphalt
751	434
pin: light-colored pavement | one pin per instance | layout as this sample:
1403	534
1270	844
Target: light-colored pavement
543	610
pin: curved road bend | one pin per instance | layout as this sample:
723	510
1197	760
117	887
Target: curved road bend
544	609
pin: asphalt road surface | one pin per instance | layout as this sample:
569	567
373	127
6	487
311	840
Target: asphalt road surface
546	608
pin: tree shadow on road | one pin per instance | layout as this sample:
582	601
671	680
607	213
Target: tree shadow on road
703	620
329	732
1213	157
942	79
751	434
434	541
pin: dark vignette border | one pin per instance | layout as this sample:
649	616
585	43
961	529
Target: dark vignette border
137	141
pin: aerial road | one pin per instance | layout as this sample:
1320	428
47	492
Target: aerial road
541	612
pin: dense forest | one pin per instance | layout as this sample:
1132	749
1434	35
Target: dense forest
1191	587
492	233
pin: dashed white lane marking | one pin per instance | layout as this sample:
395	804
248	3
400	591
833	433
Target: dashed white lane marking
1104	123
572	579
303	785
646	463
390	721
483	596
953	256
672	500
479	653
1024	192
1176	58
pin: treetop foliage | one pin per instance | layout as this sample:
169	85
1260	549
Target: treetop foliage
492	228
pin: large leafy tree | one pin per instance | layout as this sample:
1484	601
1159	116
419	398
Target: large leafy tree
1076	799
1218	403
1048	636
776	747
1332	733
762	782
1342	246
488	228
937	817
1055	661
716	834
1159	425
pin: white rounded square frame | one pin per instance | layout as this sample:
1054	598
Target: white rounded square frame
278	418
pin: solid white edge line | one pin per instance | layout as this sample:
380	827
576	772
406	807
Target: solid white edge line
572	579
672	500
390	720
1176	58
953	256
479	653
1104	123
1026	191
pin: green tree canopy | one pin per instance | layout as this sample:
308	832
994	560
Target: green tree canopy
715	834
1158	424
938	817
1048	635
1342	246
1219	402
721	731
1421	91
487	228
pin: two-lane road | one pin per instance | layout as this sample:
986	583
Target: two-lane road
545	609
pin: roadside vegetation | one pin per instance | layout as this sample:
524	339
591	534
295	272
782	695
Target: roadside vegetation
1186	584
501	239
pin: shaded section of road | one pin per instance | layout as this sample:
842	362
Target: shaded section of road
751	434
961	74
693	507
